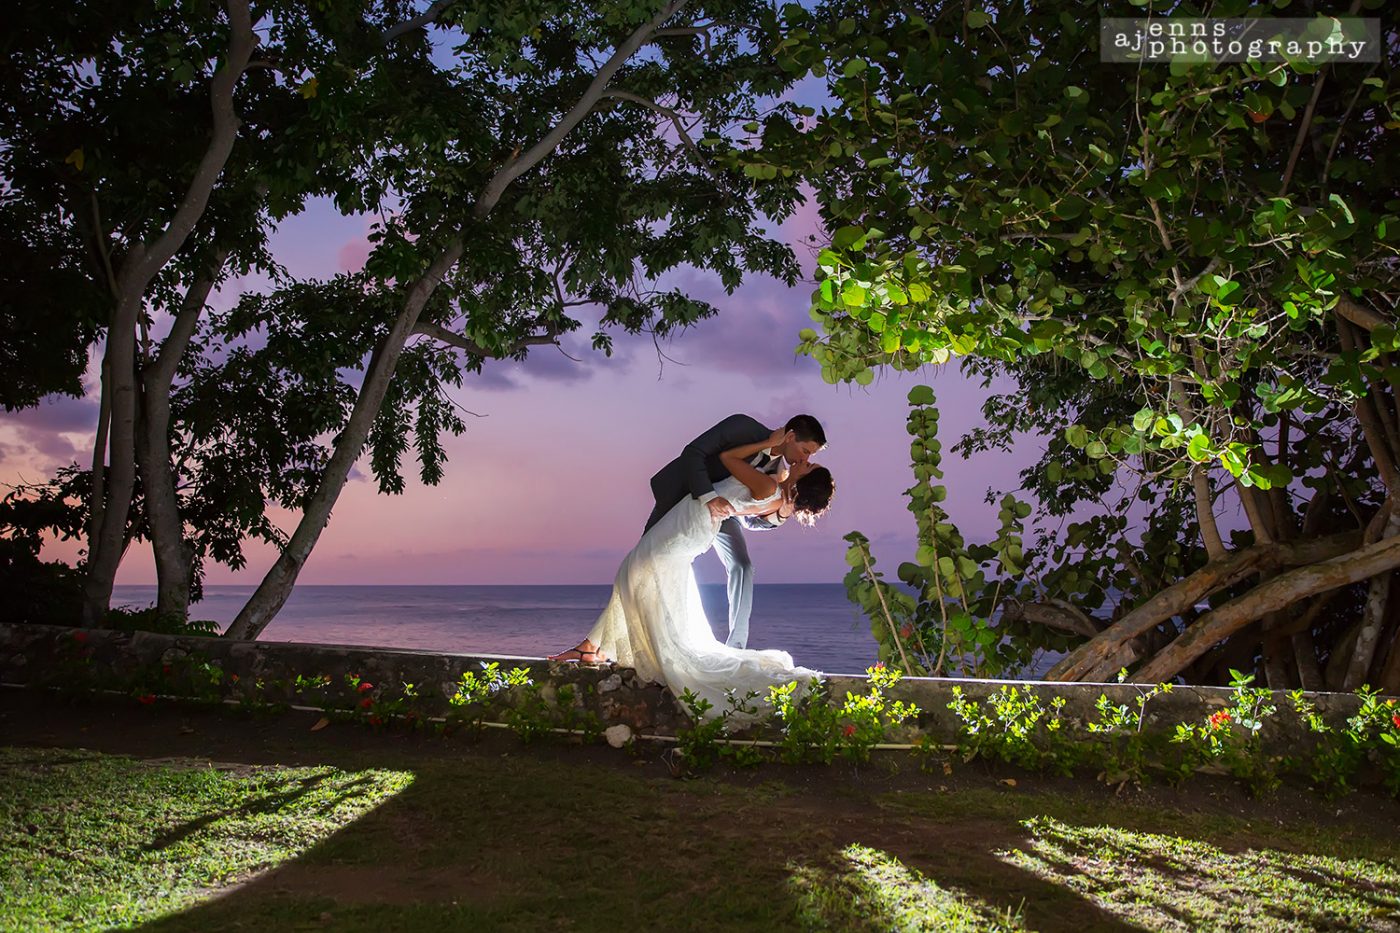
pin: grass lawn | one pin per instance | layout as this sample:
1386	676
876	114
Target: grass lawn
344	829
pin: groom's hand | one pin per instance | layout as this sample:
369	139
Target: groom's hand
720	509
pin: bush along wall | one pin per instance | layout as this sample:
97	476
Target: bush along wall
1117	732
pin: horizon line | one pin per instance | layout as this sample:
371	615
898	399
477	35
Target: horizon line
254	585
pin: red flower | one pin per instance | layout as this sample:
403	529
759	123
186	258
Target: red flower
80	637
366	685
906	630
850	730
146	699
366	703
233	678
879	665
1219	719
1396	719
375	721
165	668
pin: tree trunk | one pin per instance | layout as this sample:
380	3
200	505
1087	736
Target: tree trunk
1281	591
1184	594
98	503
277	585
108	543
174	552
1373	618
1259	513
1377	440
1389	680
105	548
1305	654
1205	515
1336	670
1361	316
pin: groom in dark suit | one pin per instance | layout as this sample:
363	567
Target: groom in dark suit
695	473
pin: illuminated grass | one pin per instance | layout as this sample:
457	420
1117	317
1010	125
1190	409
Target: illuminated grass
91	842
1171	882
873	890
488	838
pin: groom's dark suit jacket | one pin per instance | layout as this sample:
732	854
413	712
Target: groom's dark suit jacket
698	468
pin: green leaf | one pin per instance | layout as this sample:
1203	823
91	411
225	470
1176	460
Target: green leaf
921	395
1077	436
1336	199
847	237
976	19
1199	448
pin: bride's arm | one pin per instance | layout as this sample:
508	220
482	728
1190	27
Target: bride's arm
736	462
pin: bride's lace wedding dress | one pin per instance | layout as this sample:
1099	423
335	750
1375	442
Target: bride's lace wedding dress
654	621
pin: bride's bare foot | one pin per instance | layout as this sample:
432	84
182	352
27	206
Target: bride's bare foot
584	653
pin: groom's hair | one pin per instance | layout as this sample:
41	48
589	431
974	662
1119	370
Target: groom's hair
814	492
806	428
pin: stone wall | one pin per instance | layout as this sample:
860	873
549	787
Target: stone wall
148	664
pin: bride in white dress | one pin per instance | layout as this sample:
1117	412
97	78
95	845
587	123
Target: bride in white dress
654	621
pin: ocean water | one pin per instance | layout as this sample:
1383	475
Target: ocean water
813	621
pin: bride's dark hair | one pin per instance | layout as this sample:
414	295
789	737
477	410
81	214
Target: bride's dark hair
813	495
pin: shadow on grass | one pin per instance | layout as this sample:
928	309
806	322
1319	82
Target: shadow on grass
1211	885
520	843
298	789
495	837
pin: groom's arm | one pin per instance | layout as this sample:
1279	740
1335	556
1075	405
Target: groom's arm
760	522
734	431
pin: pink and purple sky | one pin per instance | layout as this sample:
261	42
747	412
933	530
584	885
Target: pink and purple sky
550	485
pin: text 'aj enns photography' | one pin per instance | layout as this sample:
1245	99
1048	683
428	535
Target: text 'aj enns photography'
1237	39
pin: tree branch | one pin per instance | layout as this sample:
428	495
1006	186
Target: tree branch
681	131
702	30
1205	514
1182	595
438	332
1361	316
591	95
422	19
1371	427
1281	591
225	131
173	347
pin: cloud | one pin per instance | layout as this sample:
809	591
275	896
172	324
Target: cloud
352	255
573	362
546	364
805	233
41	433
550	364
754	334
776	409
58	413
